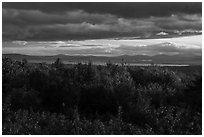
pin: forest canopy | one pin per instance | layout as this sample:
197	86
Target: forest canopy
89	99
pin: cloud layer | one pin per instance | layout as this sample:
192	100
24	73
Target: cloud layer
191	45
83	22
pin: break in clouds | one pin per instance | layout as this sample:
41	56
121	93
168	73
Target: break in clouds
69	21
191	45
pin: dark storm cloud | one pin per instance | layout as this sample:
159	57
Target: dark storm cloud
53	21
36	17
179	22
122	9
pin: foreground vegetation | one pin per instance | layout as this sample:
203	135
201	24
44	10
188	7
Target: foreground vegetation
111	99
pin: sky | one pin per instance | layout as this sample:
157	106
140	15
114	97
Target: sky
188	45
82	21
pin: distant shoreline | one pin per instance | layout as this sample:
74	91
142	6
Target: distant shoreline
137	60
105	63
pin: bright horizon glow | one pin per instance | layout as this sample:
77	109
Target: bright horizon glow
107	47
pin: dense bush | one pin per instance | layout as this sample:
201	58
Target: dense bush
23	122
88	99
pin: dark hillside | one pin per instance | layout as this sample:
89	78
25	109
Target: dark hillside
94	99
